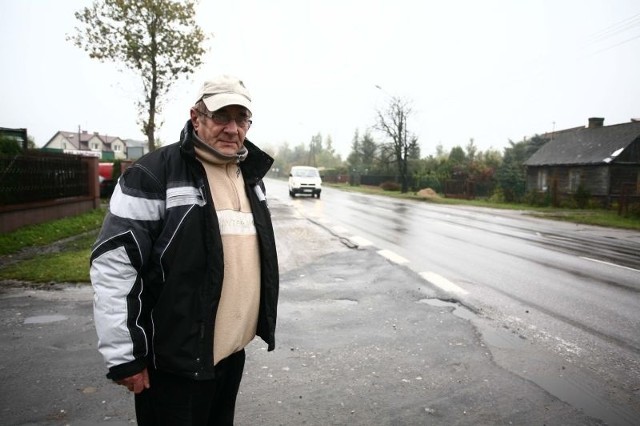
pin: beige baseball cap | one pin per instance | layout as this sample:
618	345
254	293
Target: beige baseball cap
222	91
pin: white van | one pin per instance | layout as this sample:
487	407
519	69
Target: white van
304	180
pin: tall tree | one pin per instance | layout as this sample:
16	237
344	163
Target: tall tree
327	157
369	151
355	156
393	123
511	175
157	39
414	149
456	155
471	149
315	148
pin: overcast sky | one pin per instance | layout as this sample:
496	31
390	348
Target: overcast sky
491	70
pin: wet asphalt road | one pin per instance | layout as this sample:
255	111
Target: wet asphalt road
360	341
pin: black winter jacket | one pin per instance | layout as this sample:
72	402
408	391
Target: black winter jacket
157	266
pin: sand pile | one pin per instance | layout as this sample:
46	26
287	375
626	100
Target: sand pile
428	193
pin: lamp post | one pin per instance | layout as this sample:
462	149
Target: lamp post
377	86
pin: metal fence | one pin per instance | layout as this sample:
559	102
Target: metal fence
456	189
37	176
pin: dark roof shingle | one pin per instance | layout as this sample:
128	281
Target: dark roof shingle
584	145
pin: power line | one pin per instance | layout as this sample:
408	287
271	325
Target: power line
617	44
614	29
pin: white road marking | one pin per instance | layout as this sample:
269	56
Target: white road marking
393	257
443	283
340	229
609	263
361	242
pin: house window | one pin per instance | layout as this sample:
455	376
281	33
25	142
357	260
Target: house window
64	145
574	179
542	180
94	146
117	148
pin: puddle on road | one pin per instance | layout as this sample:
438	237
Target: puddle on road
576	389
44	319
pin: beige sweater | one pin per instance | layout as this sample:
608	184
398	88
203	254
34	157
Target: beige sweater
237	315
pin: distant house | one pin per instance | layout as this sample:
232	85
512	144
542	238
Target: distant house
93	143
602	160
136	149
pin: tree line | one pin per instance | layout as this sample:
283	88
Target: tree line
496	174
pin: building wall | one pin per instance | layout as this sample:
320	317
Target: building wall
133	153
594	179
597	180
57	142
625	178
119	149
95	144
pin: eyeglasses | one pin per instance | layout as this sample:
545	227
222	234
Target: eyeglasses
223	118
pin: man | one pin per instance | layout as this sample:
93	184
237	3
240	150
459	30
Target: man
185	269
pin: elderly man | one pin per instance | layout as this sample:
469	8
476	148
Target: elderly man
185	270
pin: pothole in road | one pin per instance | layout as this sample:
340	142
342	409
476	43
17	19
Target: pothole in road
458	310
491	336
572	386
345	302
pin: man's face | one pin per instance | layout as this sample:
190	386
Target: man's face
224	129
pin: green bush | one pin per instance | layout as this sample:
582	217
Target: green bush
497	196
390	186
537	198
582	197
117	170
9	146
568	202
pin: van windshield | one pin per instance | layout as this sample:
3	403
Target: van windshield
305	173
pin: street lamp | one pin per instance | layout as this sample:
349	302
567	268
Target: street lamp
377	86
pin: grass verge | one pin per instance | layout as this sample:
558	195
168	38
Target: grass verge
69	265
47	233
598	217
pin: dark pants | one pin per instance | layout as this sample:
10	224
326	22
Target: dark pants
179	401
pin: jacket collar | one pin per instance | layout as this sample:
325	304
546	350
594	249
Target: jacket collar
254	167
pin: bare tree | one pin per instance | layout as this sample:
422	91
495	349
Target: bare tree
157	39
392	121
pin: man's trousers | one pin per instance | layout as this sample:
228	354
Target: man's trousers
179	401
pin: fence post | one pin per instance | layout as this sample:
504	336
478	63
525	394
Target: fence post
94	182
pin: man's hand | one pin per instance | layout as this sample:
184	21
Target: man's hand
136	383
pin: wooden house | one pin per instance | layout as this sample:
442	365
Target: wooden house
602	161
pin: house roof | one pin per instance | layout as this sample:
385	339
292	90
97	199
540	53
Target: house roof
80	140
585	145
